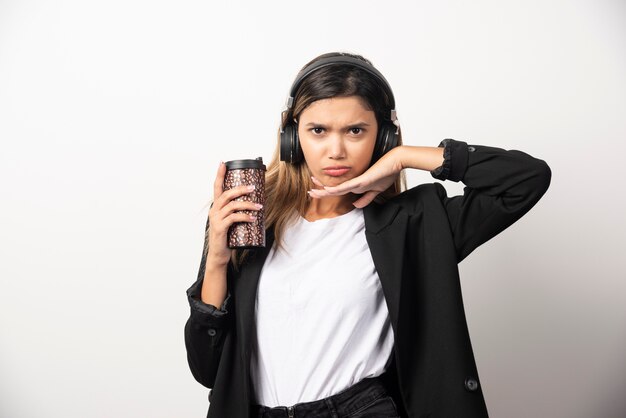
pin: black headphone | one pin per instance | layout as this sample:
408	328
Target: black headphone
387	138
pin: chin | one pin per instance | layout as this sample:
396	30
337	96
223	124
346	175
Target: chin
336	179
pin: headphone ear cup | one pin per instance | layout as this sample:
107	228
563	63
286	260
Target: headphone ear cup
385	141
286	139
298	156
290	144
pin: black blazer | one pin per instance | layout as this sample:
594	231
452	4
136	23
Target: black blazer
417	238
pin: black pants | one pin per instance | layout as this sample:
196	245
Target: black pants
365	399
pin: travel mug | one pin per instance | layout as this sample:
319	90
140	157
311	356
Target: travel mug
243	173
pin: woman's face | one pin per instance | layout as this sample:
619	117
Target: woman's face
337	133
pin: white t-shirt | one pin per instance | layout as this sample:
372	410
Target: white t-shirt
321	318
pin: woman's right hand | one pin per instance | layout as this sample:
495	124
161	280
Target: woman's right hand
223	214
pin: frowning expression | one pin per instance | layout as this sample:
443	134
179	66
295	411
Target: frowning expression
337	137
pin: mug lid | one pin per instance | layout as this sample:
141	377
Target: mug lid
239	164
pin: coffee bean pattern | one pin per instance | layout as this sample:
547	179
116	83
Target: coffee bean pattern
247	234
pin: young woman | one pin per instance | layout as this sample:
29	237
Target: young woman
354	307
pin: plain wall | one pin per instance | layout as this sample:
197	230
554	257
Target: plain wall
114	116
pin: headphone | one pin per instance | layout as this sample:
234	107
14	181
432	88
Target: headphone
388	132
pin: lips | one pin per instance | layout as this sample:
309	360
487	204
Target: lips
336	171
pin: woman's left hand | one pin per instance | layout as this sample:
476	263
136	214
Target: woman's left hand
373	181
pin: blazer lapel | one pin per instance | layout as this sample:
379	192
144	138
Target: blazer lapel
246	290
385	231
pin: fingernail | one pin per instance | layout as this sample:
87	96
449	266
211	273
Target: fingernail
258	205
251	187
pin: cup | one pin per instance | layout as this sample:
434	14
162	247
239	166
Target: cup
243	235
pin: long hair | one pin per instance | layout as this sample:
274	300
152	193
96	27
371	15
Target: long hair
286	184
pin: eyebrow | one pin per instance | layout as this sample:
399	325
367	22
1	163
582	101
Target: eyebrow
354	125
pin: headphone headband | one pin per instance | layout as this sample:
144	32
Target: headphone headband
342	59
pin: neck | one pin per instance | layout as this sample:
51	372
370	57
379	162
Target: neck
329	207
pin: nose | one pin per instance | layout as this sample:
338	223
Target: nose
337	148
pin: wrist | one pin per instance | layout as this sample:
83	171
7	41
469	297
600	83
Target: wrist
398	156
215	264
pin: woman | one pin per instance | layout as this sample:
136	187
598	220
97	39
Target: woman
354	307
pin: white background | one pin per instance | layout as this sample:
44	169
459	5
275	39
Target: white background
113	118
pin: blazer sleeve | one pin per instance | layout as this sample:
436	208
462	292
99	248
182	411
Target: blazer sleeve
501	186
206	328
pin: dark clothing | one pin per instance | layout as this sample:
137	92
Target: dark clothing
417	240
367	398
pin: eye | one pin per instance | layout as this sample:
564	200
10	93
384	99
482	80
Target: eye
317	130
356	131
